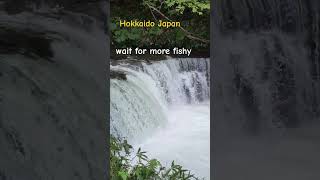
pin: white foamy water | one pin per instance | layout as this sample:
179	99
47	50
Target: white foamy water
163	107
185	139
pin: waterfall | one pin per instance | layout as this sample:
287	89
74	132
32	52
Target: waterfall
267	54
164	104
139	103
266	88
52	76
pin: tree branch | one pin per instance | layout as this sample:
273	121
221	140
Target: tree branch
188	34
154	17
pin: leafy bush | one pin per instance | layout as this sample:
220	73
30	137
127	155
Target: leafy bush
194	16
176	7
124	165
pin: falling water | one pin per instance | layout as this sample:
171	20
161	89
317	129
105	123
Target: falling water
163	107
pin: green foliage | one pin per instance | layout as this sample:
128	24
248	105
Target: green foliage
126	165
193	15
179	6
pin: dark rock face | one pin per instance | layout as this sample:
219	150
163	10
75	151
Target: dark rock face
52	94
118	75
27	43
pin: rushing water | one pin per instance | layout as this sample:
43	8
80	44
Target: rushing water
163	107
185	139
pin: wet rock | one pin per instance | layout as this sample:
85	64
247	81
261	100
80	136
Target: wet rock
26	42
118	75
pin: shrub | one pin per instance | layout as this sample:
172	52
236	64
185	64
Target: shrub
127	165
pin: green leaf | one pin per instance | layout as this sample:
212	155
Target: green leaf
123	175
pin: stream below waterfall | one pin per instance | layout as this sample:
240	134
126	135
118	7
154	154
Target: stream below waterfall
185	139
164	108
